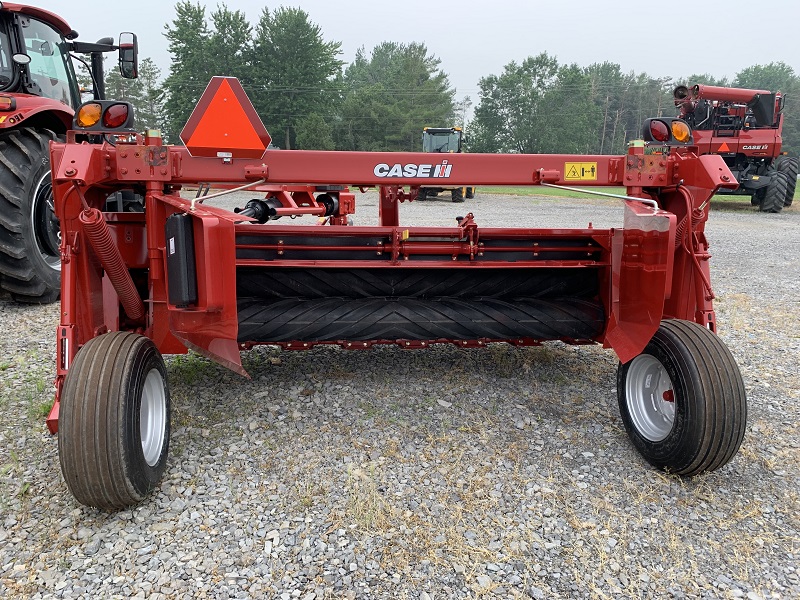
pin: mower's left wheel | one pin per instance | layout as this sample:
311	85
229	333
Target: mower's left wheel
114	421
470	193
683	401
457	195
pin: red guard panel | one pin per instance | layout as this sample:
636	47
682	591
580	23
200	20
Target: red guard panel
224	120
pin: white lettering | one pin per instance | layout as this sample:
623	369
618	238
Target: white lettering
411	170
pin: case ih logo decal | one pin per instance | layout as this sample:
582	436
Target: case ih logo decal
413	170
756	147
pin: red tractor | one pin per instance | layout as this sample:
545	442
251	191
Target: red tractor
39	93
744	127
188	274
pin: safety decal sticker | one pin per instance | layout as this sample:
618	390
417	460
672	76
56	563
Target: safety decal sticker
580	171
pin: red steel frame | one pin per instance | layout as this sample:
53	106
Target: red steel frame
654	267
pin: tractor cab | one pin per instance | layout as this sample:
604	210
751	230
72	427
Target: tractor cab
441	139
36	56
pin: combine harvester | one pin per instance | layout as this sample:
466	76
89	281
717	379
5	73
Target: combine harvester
745	128
187	275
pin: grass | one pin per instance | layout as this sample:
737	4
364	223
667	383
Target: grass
28	381
539	190
727	200
366	504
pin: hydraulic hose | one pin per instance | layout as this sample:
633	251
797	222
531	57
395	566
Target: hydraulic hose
110	257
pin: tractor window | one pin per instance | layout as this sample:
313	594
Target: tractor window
440	142
6	66
49	67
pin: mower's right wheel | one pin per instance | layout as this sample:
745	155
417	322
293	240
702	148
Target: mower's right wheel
470	193
457	195
775	196
789	165
114	421
30	235
683	401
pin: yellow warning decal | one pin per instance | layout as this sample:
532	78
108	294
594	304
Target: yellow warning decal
580	171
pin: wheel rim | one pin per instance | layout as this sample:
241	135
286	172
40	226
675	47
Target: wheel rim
44	223
153	417
651	398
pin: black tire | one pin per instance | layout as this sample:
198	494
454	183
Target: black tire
470	193
422	194
116	386
775	196
789	165
698	422
457	195
30	258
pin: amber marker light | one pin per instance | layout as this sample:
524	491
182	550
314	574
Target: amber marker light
7	104
115	116
681	131
88	115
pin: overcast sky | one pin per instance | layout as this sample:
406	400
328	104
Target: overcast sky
474	38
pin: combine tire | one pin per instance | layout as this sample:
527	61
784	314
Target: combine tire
789	165
774	198
114	421
30	260
457	195
683	401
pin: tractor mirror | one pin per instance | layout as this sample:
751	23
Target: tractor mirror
128	55
21	59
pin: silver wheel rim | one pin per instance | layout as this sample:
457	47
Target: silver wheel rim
153	417
651	398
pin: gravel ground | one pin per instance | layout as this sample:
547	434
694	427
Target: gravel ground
442	473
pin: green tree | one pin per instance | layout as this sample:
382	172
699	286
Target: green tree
294	72
144	93
704	79
314	132
509	116
608	90
200	52
188	74
778	77
570	120
390	96
150	107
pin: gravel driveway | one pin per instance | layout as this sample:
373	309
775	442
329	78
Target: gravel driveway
440	473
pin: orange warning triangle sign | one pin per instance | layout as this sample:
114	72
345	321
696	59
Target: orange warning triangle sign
724	147
224	121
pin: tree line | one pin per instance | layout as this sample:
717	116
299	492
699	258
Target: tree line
309	99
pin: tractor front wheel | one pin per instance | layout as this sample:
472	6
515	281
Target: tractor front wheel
114	421
683	401
30	236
